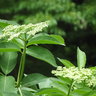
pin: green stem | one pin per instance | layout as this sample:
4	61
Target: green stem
70	88
22	65
20	92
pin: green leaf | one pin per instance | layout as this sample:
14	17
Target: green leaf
46	39
1	94
42	54
4	23
66	62
80	92
8	61
7	84
60	86
93	68
18	42
50	91
55	83
63	80
8	47
55	94
9	94
59	38
46	83
81	58
32	79
27	93
23	88
91	93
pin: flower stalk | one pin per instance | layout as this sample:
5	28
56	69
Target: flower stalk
22	64
70	88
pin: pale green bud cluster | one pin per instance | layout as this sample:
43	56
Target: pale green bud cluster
77	75
13	31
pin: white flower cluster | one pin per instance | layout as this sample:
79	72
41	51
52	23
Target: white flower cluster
91	82
78	76
13	31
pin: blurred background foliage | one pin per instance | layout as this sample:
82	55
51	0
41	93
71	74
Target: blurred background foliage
75	20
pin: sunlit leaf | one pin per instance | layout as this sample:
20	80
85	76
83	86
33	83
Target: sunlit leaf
66	62
81	58
46	39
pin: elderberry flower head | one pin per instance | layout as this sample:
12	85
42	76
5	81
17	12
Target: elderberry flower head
78	76
13	31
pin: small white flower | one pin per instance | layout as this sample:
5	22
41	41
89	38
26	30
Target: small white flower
14	31
59	68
